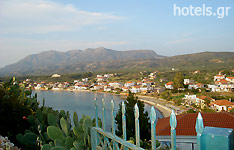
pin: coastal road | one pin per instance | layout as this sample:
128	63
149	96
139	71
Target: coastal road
161	105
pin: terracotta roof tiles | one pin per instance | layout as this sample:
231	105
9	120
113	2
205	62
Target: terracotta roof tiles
186	123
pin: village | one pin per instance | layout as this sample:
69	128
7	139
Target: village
193	96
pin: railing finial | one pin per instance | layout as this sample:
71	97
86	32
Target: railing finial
199	129
137	125
173	124
153	128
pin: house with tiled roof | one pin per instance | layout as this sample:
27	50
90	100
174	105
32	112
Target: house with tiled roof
202	100
222	81
130	84
230	79
219	77
125	89
190	99
107	88
222	105
222	85
116	84
135	89
169	85
185	130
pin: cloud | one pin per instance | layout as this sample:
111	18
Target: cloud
44	16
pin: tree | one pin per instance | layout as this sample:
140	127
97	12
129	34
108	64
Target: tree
130	118
191	111
166	95
232	110
178	80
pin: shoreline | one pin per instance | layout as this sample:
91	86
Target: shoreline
164	110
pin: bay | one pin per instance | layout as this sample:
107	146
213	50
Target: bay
83	103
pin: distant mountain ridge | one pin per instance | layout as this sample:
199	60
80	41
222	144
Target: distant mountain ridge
52	60
102	59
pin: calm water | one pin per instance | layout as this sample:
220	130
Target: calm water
82	103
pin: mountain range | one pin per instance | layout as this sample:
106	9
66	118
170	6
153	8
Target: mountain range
103	59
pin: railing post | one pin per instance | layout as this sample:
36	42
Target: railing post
199	129
94	133
96	112
103	115
104	122
173	124
137	126
124	123
113	122
153	128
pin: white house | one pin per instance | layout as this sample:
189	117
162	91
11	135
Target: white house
186	81
39	86
115	85
76	81
220	105
213	88
144	89
153	75
129	84
85	80
219	77
56	76
108	75
135	89
125	89
195	86
169	85
81	87
101	79
224	85
97	87
107	88
230	79
202	99
191	99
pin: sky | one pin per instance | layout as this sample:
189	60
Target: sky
32	26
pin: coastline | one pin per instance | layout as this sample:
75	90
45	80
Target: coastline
164	110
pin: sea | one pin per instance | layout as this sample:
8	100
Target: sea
82	103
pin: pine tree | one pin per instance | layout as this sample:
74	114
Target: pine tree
178	80
130	119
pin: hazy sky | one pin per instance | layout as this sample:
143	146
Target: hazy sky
32	26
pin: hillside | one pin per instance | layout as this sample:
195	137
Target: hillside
102	59
204	60
75	60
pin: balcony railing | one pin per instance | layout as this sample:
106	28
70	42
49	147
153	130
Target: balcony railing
103	140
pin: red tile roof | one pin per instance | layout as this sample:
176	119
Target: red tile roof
223	102
186	123
200	84
219	75
169	83
205	97
223	81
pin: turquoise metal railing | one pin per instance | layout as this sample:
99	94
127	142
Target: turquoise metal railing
103	140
